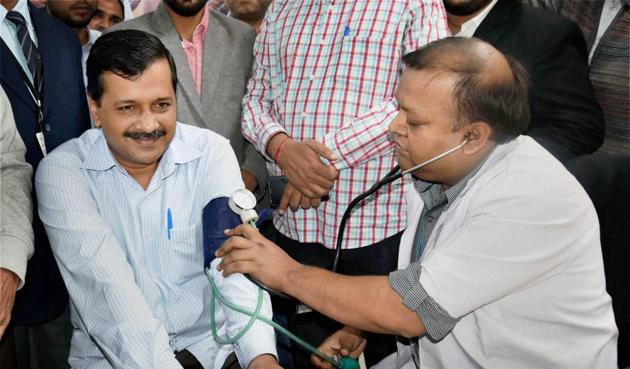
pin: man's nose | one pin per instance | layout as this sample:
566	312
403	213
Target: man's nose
148	121
396	126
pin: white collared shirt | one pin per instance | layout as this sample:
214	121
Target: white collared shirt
8	33
517	260
470	26
610	8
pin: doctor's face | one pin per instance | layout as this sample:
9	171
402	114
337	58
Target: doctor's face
138	115
424	127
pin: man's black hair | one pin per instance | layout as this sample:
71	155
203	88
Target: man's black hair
126	53
479	95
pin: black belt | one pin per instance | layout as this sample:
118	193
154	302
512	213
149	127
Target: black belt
189	361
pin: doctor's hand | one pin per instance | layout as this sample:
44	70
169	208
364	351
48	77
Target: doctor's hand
300	161
292	198
347	341
247	251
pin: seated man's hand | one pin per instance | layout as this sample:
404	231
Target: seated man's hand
347	341
292	198
300	161
247	251
264	362
8	286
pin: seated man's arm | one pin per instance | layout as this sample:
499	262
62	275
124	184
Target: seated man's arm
95	270
223	179
259	339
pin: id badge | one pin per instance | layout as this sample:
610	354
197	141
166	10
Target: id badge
42	142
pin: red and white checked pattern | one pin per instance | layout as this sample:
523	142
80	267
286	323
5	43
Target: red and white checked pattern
328	70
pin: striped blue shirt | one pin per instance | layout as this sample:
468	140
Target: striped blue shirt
138	294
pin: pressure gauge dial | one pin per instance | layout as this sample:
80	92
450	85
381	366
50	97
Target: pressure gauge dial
244	199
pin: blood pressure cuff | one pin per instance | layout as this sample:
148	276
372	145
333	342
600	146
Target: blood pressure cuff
217	217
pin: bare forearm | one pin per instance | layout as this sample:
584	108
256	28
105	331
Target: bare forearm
367	302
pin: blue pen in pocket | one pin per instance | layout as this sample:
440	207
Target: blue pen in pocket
346	31
169	223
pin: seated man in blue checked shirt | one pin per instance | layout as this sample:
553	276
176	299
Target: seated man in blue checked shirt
139	296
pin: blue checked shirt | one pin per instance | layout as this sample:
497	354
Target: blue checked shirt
328	70
138	295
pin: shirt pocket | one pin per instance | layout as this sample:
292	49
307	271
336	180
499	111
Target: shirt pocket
186	254
365	63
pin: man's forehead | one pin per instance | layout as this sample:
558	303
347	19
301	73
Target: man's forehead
150	84
418	85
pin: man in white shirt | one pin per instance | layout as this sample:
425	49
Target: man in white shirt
500	265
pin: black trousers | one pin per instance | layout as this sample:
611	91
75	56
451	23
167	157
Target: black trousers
377	259
7	350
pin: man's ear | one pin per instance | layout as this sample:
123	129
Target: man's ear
479	134
94	109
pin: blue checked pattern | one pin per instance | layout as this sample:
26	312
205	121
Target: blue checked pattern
328	70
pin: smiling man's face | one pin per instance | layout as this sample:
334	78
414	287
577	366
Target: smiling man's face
137	115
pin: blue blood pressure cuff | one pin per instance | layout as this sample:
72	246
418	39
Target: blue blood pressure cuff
217	217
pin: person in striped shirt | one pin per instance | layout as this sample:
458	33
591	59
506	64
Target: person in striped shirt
317	107
122	205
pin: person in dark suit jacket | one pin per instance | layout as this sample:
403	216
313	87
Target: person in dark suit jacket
65	115
566	118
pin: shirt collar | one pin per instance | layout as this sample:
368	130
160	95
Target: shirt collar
178	152
470	26
432	194
201	28
100	157
21	7
93	35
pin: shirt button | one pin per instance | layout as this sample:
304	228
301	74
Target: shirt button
47	127
322	41
304	114
312	77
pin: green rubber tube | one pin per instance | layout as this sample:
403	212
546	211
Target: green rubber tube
343	363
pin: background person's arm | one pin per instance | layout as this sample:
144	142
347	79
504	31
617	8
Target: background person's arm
16	212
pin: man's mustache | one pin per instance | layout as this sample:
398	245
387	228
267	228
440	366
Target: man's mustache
139	135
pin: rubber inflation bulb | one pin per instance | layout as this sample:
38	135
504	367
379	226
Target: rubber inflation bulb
348	363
